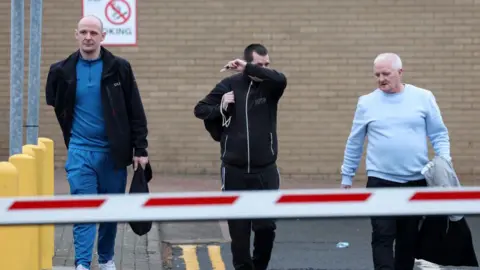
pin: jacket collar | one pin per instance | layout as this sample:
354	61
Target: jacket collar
70	64
249	80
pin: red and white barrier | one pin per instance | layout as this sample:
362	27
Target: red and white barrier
232	205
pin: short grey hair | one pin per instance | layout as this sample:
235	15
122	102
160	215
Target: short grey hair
392	57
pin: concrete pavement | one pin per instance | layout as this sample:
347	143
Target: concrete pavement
132	252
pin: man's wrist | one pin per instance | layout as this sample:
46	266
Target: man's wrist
347	180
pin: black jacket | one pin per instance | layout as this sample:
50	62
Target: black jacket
125	119
249	141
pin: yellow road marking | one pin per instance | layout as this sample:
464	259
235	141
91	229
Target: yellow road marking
216	258
190	257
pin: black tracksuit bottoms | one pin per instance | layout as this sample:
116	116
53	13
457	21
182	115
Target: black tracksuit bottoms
235	179
401	230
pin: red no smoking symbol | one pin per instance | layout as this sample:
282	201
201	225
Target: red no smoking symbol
117	11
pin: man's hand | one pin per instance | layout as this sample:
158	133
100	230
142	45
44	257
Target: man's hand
235	65
139	160
227	98
346	186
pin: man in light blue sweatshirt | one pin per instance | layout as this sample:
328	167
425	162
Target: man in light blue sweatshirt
397	118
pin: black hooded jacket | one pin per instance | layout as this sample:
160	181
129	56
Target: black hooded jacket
247	130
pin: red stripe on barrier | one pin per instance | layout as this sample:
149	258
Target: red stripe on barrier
183	201
57	204
445	195
324	198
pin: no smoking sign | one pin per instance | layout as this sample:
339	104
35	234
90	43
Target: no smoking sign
118	12
119	20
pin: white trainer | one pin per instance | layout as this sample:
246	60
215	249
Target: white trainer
81	267
110	265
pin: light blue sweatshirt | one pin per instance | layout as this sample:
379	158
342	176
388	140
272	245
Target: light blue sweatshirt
397	126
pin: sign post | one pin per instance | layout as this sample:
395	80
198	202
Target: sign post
119	19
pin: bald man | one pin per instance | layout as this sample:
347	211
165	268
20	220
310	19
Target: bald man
397	117
100	112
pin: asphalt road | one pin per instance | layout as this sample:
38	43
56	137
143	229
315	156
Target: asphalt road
300	244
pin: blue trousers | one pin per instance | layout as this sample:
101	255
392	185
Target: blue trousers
91	172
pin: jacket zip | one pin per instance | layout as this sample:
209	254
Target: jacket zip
225	146
114	113
246	123
271	143
111	100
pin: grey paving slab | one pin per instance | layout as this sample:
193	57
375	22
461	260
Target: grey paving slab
132	252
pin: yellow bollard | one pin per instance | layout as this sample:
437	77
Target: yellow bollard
48	189
38	152
29	234
11	246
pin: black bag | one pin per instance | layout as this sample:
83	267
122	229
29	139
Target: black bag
139	184
214	128
446	242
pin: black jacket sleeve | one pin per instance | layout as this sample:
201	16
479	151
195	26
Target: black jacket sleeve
50	87
209	107
136	114
276	80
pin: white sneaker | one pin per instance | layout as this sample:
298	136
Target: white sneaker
110	265
81	267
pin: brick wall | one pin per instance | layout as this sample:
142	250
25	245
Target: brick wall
325	47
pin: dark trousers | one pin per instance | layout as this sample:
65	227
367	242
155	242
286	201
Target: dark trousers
234	179
385	230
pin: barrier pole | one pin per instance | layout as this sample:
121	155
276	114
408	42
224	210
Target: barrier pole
11	246
48	189
27	186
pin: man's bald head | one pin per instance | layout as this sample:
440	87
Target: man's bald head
91	20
